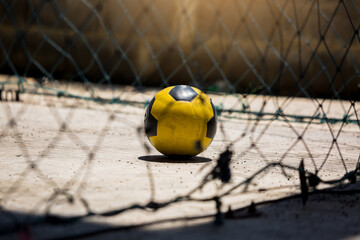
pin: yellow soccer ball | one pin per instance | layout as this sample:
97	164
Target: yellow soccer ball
180	120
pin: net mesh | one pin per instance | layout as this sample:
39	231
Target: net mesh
283	75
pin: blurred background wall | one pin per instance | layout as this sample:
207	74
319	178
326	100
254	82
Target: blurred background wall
253	46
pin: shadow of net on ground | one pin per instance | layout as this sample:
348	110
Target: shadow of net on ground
330	215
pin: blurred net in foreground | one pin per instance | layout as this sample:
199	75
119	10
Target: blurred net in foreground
283	75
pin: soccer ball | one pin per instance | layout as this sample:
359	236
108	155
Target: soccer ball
180	120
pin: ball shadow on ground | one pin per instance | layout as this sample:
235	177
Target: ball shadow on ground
174	159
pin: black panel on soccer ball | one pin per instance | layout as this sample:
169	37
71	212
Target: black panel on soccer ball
211	124
183	93
150	122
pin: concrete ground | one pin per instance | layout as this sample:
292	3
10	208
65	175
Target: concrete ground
66	156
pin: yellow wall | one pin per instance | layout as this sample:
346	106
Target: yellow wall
192	28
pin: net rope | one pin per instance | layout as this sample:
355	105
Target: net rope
306	50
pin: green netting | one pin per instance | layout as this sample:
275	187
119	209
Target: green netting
293	62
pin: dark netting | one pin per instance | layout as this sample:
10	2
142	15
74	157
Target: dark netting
283	76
